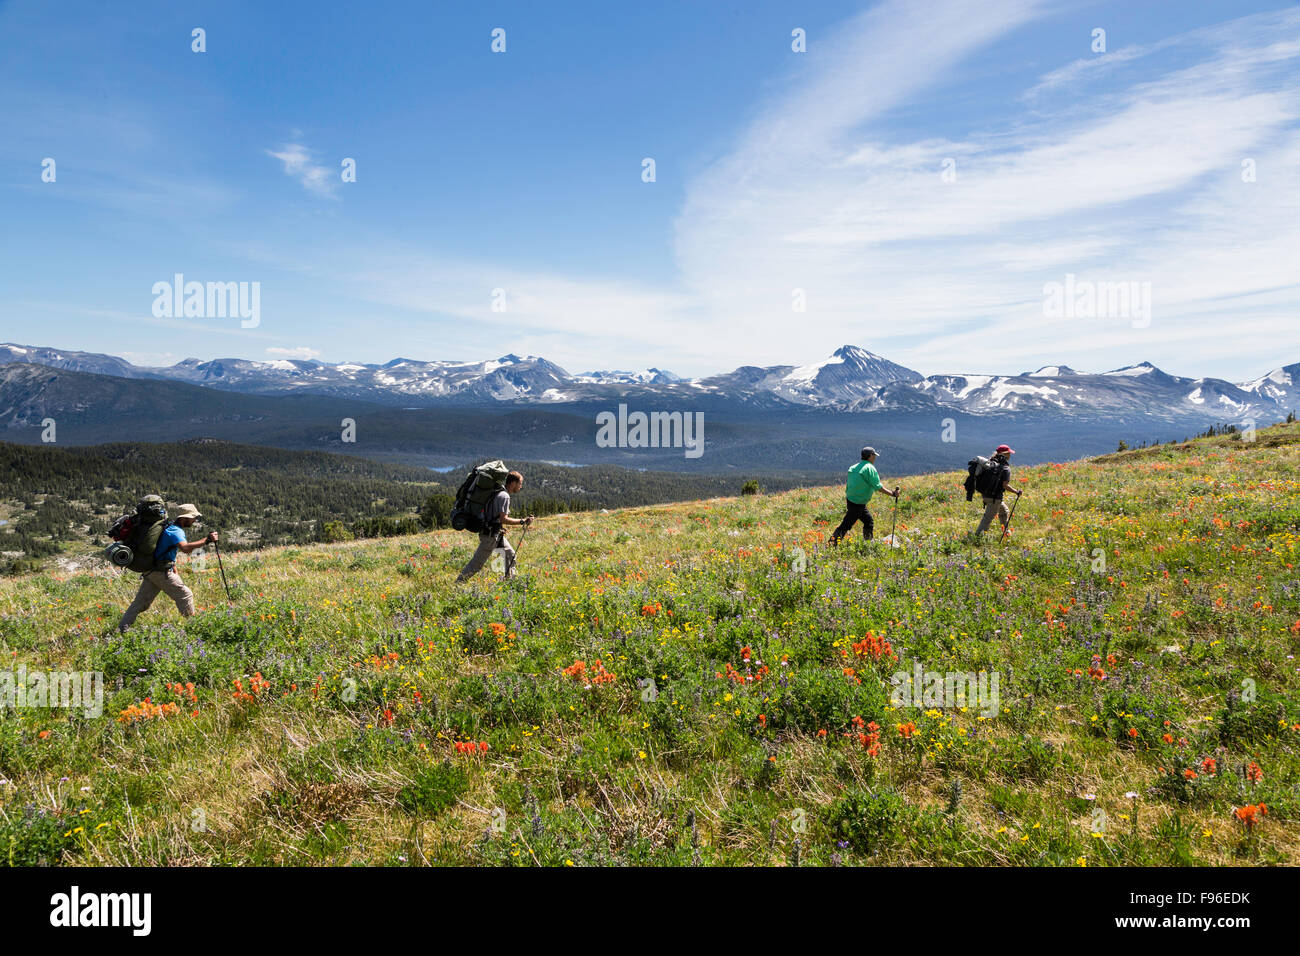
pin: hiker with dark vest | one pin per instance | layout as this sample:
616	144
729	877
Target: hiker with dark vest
992	484
863	482
158	547
495	517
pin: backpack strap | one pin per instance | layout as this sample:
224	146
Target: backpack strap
154	537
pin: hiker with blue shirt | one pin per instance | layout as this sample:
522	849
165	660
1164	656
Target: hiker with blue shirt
163	577
863	482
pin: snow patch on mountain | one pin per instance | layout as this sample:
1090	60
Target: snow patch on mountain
1132	371
647	376
852	379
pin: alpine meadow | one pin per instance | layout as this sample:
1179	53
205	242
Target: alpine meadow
702	683
648	465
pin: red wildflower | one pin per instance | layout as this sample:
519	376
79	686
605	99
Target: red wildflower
1248	813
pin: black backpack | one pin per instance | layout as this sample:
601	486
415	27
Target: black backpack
469	512
980	472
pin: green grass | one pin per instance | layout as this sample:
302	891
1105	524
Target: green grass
1173	569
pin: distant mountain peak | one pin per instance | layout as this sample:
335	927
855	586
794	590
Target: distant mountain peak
851	379
649	376
853	351
1141	368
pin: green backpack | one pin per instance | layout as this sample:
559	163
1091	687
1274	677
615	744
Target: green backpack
475	494
147	526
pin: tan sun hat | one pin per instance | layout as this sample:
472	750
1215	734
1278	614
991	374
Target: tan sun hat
188	511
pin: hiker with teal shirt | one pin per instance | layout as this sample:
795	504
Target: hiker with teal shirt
863	482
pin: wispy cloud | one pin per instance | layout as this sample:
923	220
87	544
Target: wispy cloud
1138	179
1138	182
298	164
299	352
1091	68
150	359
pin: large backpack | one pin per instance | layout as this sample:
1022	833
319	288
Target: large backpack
979	471
140	532
469	512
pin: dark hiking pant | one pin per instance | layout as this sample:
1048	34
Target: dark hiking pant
852	516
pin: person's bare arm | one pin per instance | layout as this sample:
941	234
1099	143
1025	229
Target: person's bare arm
189	546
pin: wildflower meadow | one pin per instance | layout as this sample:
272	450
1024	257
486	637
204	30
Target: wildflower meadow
704	683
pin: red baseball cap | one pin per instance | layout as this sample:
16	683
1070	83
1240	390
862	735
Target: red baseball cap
1005	448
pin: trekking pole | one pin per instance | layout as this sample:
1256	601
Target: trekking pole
513	558
521	542
222	568
894	521
1007	526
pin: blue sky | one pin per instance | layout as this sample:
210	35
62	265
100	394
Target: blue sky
775	170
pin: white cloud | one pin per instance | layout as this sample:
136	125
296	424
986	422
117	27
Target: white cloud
150	359
1139	179
300	352
1090	68
1140	182
298	163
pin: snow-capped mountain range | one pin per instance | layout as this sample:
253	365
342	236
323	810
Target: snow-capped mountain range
851	380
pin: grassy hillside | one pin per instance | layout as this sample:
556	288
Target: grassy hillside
61	500
355	706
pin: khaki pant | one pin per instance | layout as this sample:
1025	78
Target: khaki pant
168	582
993	506
487	543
